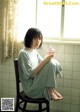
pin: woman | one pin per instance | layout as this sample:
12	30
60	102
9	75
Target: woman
38	75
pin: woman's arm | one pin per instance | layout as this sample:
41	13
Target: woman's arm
42	63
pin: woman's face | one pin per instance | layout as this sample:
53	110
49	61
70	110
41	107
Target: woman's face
36	42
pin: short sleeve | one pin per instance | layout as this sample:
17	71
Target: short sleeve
25	65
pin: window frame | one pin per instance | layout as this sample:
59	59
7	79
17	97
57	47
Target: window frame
61	38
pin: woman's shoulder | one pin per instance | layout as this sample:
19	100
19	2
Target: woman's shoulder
22	52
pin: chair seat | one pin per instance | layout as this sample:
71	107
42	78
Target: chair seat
28	99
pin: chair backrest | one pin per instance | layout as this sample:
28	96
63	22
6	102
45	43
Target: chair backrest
17	76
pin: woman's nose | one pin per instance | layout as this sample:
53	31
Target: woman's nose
38	40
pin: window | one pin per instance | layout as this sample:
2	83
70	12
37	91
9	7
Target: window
49	18
57	19
72	20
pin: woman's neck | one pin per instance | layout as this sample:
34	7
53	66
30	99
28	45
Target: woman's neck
29	49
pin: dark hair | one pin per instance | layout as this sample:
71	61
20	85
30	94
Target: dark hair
30	35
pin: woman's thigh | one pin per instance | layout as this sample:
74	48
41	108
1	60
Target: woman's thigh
46	77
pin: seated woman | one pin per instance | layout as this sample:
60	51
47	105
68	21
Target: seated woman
38	75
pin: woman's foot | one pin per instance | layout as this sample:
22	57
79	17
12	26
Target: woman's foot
58	94
54	96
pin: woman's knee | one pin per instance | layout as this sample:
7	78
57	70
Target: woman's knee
52	63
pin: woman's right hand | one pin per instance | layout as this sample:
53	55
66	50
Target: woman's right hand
50	54
48	57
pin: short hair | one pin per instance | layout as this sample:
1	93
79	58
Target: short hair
30	35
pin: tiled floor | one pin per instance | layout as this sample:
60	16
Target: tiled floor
51	111
36	107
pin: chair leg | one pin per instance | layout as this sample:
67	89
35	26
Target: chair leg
17	105
24	106
40	107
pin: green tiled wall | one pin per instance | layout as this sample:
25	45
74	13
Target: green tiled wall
69	85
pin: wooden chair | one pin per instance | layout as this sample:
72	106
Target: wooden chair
22	98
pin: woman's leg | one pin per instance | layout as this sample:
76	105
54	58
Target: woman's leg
46	78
